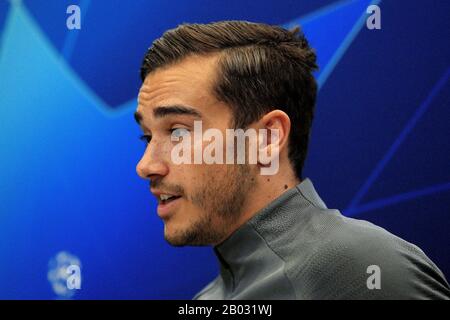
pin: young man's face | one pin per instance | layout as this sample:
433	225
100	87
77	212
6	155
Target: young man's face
208	197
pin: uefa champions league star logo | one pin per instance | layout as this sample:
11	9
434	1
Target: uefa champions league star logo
64	274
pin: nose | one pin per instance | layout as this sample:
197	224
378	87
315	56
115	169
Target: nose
151	166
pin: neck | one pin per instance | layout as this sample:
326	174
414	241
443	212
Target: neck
267	189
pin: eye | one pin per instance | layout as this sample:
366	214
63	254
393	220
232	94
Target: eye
179	132
146	138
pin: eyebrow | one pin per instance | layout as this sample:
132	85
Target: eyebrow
164	111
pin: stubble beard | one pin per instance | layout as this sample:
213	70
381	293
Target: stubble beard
221	201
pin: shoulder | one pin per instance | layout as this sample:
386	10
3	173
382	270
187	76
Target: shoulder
355	259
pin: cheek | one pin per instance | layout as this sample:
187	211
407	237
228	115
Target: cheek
197	180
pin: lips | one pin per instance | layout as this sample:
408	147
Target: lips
167	207
166	202
166	198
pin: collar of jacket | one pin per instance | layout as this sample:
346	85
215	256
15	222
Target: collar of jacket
248	253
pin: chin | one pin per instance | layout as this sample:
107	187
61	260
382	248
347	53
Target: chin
174	237
174	241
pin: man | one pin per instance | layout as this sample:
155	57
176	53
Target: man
272	234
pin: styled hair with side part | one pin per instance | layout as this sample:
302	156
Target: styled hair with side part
261	68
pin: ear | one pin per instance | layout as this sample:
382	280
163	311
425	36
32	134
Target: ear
280	121
278	126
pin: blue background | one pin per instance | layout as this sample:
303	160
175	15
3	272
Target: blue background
380	147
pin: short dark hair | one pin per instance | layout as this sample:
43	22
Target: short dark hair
261	68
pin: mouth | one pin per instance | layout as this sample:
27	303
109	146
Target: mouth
164	199
166	203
